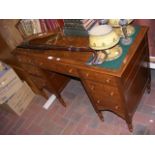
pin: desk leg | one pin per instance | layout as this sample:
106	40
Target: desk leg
34	87
129	123
130	127
149	83
56	93
90	95
100	115
149	87
61	100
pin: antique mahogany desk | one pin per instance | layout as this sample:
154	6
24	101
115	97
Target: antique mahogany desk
117	90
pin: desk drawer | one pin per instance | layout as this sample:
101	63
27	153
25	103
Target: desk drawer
25	59
103	78
32	69
110	105
106	91
41	83
56	66
105	97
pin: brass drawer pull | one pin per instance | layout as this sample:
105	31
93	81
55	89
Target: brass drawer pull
92	87
116	107
108	80
58	59
112	94
29	60
87	74
40	63
70	70
98	101
19	59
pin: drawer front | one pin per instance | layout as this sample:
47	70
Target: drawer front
41	83
25	59
108	104
104	90
56	66
32	69
105	97
103	78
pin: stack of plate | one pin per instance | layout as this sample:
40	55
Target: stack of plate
104	38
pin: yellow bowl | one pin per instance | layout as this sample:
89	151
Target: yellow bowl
102	37
115	22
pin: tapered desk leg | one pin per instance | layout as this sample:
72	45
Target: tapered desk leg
56	93
149	84
130	126
149	88
100	115
61	100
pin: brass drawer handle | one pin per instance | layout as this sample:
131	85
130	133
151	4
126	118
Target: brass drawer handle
58	59
98	101
70	70
19	59
112	94
40	63
116	107
87	74
29	60
92	87
108	80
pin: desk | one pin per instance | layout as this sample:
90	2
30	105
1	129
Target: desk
116	90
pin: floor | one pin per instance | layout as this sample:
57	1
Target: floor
78	118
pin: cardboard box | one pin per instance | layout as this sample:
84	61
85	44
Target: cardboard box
20	100
10	83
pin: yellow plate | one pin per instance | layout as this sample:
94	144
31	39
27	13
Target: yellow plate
114	53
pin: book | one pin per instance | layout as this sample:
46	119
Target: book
73	21
43	25
49	24
37	25
27	27
75	32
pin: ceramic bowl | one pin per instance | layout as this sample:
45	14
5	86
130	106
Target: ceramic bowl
102	37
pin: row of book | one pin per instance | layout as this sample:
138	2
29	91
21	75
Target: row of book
28	27
78	27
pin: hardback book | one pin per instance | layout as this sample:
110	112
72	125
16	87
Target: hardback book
43	25
73	21
75	32
36	26
27	27
49	24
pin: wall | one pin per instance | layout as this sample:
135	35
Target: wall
151	32
9	32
